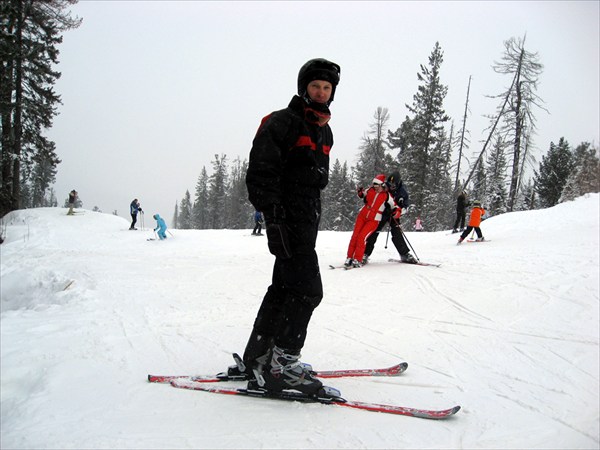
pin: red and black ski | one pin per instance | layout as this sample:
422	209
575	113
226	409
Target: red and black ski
385	372
183	383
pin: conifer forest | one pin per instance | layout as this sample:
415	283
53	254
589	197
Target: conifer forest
431	150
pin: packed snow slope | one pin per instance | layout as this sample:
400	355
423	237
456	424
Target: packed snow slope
508	329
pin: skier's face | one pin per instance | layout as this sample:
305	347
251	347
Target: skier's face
319	91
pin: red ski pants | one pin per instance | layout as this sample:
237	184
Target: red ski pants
363	228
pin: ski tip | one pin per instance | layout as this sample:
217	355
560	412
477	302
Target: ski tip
453	411
438	415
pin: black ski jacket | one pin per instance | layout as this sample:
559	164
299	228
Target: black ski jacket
289	161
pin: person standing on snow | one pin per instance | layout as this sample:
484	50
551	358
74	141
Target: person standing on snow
258	223
134	209
72	199
400	196
161	227
377	200
418	224
474	221
461	211
288	168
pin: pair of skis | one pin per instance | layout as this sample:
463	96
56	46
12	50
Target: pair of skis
209	384
418	263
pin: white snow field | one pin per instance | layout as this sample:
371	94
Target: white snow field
508	329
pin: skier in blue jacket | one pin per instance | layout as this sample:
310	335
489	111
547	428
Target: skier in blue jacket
161	227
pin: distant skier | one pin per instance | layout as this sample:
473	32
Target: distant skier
400	195
474	221
134	209
161	227
72	200
418	224
462	204
258	222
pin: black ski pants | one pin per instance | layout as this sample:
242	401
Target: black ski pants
296	290
460	218
469	229
133	220
397	237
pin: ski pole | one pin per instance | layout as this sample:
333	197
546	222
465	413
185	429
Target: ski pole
170	233
387	237
408	242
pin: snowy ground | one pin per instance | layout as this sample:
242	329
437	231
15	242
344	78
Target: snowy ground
509	329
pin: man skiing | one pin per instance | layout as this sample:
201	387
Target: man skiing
288	168
134	209
258	223
400	196
461	211
73	197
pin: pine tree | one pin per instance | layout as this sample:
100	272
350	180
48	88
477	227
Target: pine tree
554	170
527	199
200	210
240	211
184	219
585	175
438	193
496	195
29	34
339	200
217	196
175	221
417	138
373	159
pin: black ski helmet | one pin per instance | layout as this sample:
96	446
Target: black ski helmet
318	69
394	180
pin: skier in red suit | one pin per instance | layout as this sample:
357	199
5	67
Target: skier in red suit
376	199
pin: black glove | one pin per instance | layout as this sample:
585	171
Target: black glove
277	236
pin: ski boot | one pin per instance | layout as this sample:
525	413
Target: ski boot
365	260
356	264
285	371
348	262
408	258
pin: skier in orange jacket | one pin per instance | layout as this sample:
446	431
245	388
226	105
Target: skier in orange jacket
474	222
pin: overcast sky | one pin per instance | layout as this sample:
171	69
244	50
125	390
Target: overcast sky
151	91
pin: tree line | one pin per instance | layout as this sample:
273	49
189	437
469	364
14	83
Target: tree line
30	32
430	158
427	148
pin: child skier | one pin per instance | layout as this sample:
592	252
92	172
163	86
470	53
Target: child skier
161	227
474	222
